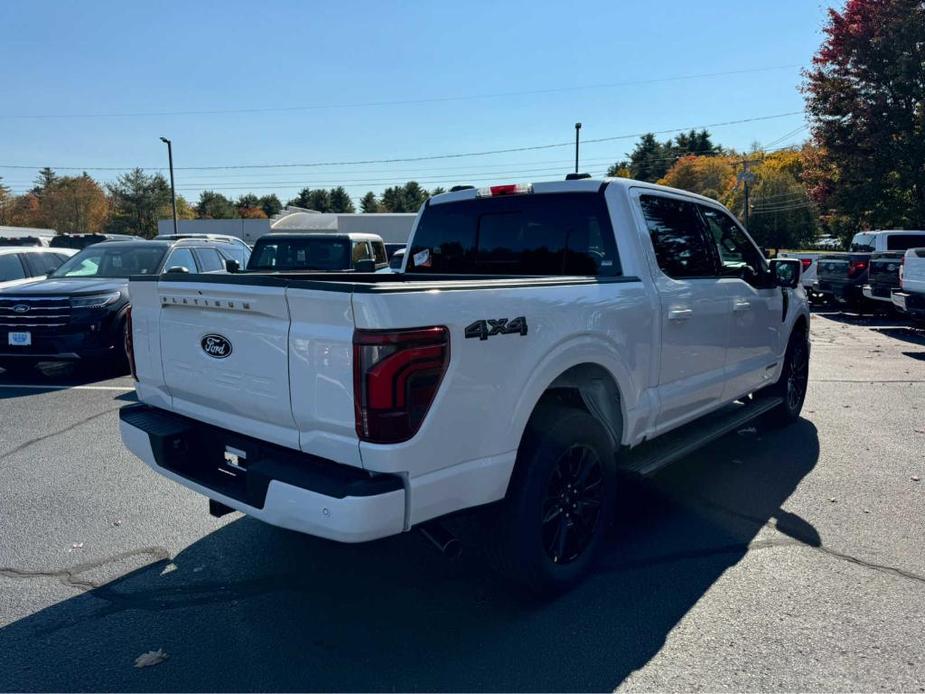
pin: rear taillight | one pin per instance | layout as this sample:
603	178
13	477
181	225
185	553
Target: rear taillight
130	343
396	374
856	267
806	263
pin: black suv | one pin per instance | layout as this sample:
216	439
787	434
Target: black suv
78	312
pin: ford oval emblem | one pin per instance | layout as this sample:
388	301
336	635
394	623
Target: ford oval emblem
216	346
21	308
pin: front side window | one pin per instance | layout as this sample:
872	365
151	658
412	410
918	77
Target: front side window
43	263
379	253
737	254
181	257
678	237
11	268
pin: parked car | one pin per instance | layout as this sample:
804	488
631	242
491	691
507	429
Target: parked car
232	247
309	251
78	242
842	276
542	339
78	313
883	277
808	260
28	241
21	264
910	297
392	248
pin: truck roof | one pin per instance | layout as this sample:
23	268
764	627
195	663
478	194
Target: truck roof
320	235
583	185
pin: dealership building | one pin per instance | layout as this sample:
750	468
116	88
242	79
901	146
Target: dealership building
392	227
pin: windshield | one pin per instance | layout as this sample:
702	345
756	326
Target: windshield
301	254
113	261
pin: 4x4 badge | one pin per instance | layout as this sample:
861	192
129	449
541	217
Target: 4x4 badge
483	329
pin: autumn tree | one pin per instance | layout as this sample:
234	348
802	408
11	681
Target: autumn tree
711	176
865	94
74	205
781	213
6	203
368	203
650	159
139	200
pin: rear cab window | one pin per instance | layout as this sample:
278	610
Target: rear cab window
530	234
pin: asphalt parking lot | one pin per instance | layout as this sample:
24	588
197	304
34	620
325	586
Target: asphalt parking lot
772	560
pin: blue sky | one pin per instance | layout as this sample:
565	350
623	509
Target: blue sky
94	84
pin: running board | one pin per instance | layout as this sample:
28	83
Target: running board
653	455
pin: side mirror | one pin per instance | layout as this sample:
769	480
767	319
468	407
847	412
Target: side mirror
177	269
232	265
787	272
365	266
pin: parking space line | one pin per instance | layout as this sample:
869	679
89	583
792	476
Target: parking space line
56	387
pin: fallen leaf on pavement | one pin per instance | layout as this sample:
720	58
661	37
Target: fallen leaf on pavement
151	658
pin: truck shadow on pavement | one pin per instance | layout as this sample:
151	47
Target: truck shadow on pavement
251	607
50	376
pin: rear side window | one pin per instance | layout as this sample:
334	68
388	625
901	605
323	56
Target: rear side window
209	260
361	251
181	257
678	237
903	242
11	268
546	234
379	254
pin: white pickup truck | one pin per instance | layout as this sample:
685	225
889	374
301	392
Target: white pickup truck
540	340
910	297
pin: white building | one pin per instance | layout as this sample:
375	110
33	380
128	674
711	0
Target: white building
392	227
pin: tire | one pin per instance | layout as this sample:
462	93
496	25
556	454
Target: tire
791	386
18	367
565	471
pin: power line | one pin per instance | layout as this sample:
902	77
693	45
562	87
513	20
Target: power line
398	102
429	157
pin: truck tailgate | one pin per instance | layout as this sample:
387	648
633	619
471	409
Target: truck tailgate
224	351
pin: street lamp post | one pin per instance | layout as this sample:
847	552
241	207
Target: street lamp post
173	190
577	129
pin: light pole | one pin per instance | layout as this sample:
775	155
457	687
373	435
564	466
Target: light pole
577	130
173	190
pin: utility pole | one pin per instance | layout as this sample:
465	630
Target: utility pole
577	130
173	190
747	178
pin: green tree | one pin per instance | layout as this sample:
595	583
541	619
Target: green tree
368	203
6	203
340	201
270	204
437	191
214	205
247	202
138	201
414	196
392	200
865	95
694	142
44	180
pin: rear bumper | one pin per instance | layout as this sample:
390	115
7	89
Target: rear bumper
909	303
64	346
840	291
877	293
279	486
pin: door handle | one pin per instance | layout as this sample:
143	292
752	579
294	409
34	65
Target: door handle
741	305
680	314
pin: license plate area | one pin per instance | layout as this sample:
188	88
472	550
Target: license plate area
19	339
